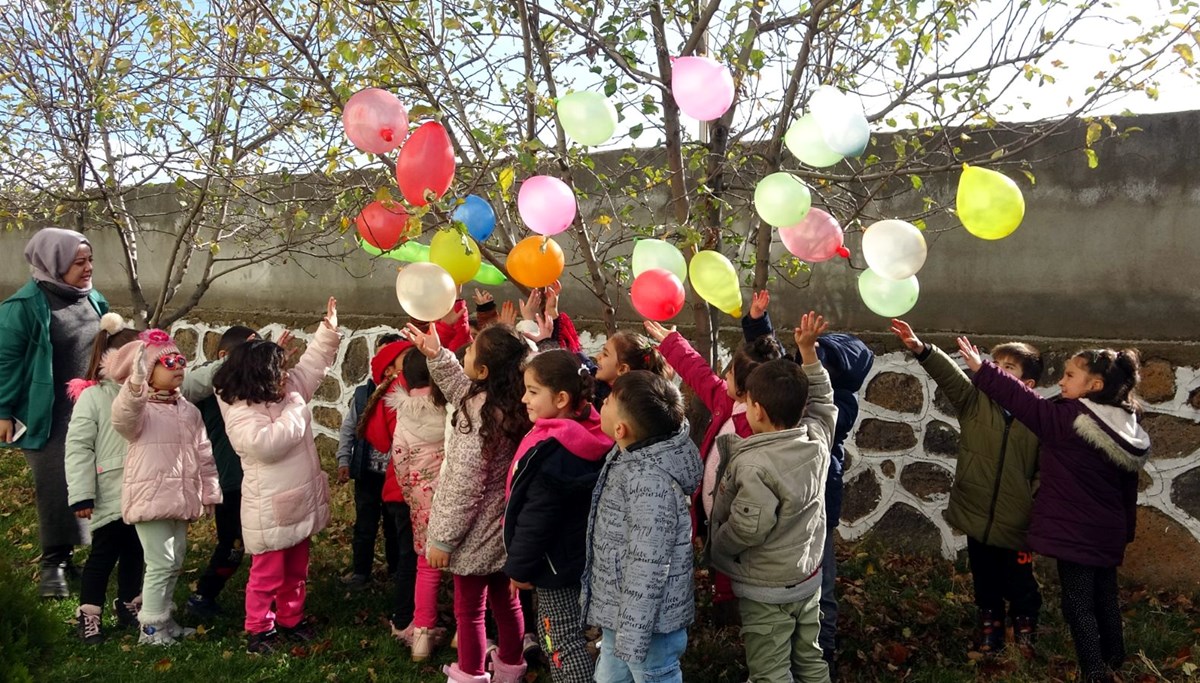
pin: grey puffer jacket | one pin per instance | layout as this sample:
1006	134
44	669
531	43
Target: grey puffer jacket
638	577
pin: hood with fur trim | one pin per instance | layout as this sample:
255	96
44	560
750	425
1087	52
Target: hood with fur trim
1115	432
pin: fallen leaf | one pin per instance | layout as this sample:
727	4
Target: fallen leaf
163	664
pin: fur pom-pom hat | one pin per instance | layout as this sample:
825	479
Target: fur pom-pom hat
112	323
117	364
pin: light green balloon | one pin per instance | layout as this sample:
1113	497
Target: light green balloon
888	298
650	253
490	275
782	199
415	252
588	117
805	140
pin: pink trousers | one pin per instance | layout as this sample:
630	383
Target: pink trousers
426	594
472	594
279	576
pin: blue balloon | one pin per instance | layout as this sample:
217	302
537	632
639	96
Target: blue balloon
477	215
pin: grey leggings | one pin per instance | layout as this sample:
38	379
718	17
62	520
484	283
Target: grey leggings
58	528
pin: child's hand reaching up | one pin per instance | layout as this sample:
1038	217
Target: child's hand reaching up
552	292
907	337
331	314
811	327
508	314
482	297
656	331
759	303
427	343
970	354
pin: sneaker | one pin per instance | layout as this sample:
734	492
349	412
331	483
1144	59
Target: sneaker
1025	635
300	633
202	607
265	643
155	634
991	632
127	612
88	627
356	582
178	631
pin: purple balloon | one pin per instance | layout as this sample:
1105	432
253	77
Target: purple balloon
816	238
546	204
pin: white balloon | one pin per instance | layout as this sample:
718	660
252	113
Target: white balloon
894	249
425	291
841	120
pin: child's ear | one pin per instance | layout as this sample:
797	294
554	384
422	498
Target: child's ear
481	370
622	369
621	431
1029	383
562	400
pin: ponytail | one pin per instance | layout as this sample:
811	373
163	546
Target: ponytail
1120	371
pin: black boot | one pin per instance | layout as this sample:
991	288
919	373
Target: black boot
53	583
830	657
1025	634
991	632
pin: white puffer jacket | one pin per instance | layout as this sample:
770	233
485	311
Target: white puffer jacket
285	494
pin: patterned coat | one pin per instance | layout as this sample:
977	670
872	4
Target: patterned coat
418	450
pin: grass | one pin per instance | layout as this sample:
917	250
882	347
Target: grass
904	618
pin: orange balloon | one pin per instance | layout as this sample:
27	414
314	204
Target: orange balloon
535	262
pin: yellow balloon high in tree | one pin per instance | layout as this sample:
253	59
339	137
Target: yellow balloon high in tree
990	204
715	280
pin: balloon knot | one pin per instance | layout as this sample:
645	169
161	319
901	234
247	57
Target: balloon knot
843	252
386	134
673	59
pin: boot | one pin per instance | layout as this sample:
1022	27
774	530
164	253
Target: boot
424	641
457	675
155	630
830	657
127	612
1025	635
507	673
991	632
88	627
53	580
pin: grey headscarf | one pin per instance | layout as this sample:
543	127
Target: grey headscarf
50	253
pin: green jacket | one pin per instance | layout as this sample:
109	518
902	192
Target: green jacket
27	361
95	460
997	468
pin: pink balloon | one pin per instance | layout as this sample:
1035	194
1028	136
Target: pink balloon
546	205
816	238
375	120
657	294
703	87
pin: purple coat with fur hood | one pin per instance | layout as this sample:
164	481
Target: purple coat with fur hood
1085	510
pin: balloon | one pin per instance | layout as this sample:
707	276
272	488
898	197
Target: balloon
990	204
650	253
657	294
426	164
535	261
888	298
477	215
490	275
804	139
546	204
425	291
375	120
715	280
782	199
894	249
455	252
840	118
816	238
588	117
702	87
415	252
382	225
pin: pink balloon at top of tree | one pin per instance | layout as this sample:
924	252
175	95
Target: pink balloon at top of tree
426	164
375	120
702	87
546	204
816	238
382	225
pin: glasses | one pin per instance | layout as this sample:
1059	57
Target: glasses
173	361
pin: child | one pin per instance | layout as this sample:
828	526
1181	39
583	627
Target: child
1084	515
285	495
363	462
768	522
464	534
95	462
992	497
170	476
637	580
418	449
549	495
848	361
229	550
622	352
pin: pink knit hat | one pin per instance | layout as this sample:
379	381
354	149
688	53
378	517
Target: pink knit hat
117	364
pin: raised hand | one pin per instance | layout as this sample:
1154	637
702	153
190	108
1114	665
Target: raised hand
139	372
427	343
811	327
907	337
552	292
331	314
759	303
482	296
656	331
530	306
970	354
508	314
545	329
289	351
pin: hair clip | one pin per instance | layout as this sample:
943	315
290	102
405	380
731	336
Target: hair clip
583	371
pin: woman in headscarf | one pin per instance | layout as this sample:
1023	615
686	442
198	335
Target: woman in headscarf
46	333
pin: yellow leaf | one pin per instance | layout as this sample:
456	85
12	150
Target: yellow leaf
1094	130
1093	160
507	176
1185	53
383	195
163	664
604	219
232	31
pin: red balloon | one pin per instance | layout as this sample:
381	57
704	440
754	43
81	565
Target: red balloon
382	226
426	163
657	294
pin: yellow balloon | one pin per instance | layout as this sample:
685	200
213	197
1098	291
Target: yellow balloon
715	280
457	253
990	204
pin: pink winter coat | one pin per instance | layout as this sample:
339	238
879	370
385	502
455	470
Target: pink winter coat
285	493
418	449
169	470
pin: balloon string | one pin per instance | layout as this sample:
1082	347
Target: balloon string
843	252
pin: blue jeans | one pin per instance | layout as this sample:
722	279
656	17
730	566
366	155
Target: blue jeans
661	664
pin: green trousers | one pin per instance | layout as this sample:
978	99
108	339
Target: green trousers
782	641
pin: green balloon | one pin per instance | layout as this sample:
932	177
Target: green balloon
650	253
782	199
888	298
588	117
804	139
415	252
490	275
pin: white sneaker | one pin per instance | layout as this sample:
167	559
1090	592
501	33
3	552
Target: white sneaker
172	627
155	634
